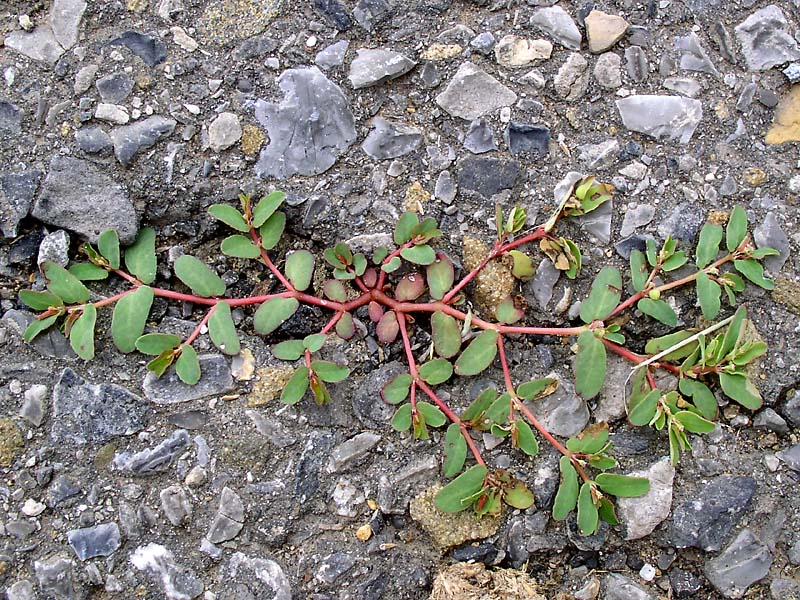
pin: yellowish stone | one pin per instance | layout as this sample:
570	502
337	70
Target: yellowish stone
441	51
137	6
252	139
718	217
269	384
10	442
416	197
754	176
473	581
786	127
226	21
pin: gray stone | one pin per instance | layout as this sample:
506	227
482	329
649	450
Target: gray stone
745	561
132	139
16	195
529	141
176	582
480	137
722	37
99	540
608	71
563	412
308	130
20	529
770	235
784	589
215	379
487	176
371	13
694	57
369	412
771	421
112	113
685	86
706	519
94	414
224	131
636	64
791	409
599	156
54	248
334	566
636	216
572	78
793	553
50	343
335	13
598	222
262	578
445	189
152	460
272	429
347	453
313	459
403	482
114	88
147	47
390	140
643	514
21	590
93	140
765	39
56	579
484	43
555	22
10	118
229	520
543	282
791	456
792	73
658	116
84	78
65	19
40	44
175	504
619	587
332	56
32	409
625	246
535	78
373	67
683	583
683	223
473	93
768	98
746	97
440	158
728	187
429	76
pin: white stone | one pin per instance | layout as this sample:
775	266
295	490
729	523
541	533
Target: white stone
224	131
32	508
111	113
183	39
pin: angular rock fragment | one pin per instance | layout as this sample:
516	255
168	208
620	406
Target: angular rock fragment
176	582
514	51
224	131
659	116
114	88
528	140
16	195
608	70
229	520
40	45
769	234
604	30
636	64
152	460
261	577
333	55
572	78
765	39
147	47
56	579
350	451
390	140
175	504
132	139
308	130
98	540
685	86
745	561
480	137
487	176
371	13
473	93
786	127
557	23
373	67
643	514
563	411
10	119
215	378
619	587
694	57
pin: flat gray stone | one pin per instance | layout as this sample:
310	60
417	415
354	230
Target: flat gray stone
175	582
79	197
480	137
175	504
98	540
685	86
542	284
50	343
65	19
10	119
272	429
770	234
765	39
486	175
371	13
373	67
56	578
152	460
16	196
130	140
674	117
84	413
40	44
115	87
345	454
93	140
599	156
229	520
215	379
745	561
147	47
791	456
694	57
563	412
262	577
643	514
557	23
332	56
308	130
636	64
473	93
224	131
619	587
390	140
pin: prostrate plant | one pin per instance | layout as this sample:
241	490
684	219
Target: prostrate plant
405	286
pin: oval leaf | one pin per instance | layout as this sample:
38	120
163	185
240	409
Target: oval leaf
433	416
455	450
478	355
397	389
590	365
392	265
446	335
140	257
387	328
590	440
229	215
536	388
64	284
410	287
440	275
419	255
88	272
300	269
222	330
40	300
457	495
130	317
188	365
239	246
507	312
436	371
639	270
335	290
659	310
289	350
622	486
519	496
588	517
643	409
108	244
272	230
401	421
567	495
708	244
736	229
198	276
604	295
157	343
37	327
81	336
345	326
739	388
524	438
329	371
753	270
693	422
296	387
273	313
266	207
405	224
702	397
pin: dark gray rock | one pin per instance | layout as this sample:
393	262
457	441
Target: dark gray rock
563	412
765	39
99	540
254	47
770	420
722	37
334	12
370	410
229	520
50	343
93	140
147	47
152	460
94	414
636	64
768	98
628	245
770	235
130	140
334	566
473	93
487	176
445	189
683	223
256	577
114	88
312	461
675	117
371	13
16	195
215	379
429	76
333	55
374	588
175	504
373	67
619	587
390	140
56	579
174	581
272	429
684	584
485	552
556	23
483	43
20	528
61	489
480	137
706	519
745	561
10	119
308	130
791	456
530	141
694	57
791	409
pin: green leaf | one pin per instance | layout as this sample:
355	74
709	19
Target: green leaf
733	334
519	496
639	270
590	440
40	300
222	330
693	422
576	261
753	270
588	518
188	366
392	265
38	326
296	387
537	387
602	462
708	293
329	371
606	511
436	371
401	421
739	388
321	394
701	396
736	229
660	344
749	352
359	264
523	265
455	450
64	284
643	409
161	362
763	253
314	342
433	416
676	261
659	310
199	277
446	335
335	290
499	410
266	207
478	355
419	255
457	495
274	313
88	272
230	216
329	254
342	274
380	253
108	244
81	336
507	312
405	224
567	495
651	252
288	350
480	405
708	245
239	246
617	338
524	439
300	269
272	230
440	275
140	258
397	388
622	486
590	365
345	326
130	317
604	295
157	343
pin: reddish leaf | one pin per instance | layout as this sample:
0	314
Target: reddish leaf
375	311
410	287
388	328
370	277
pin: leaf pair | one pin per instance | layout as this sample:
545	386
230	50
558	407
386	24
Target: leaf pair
313	377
